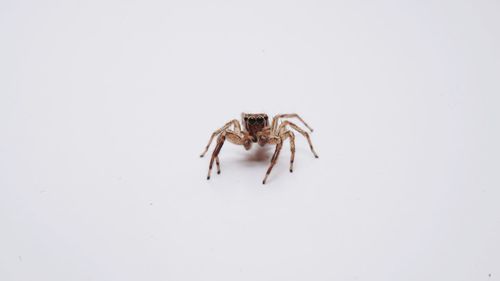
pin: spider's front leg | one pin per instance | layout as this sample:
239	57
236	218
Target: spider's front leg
232	137
266	137
279	144
236	127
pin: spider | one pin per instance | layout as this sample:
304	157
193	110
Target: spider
256	129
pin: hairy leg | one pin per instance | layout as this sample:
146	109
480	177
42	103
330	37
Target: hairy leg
220	142
290	135
236	127
273	160
230	136
302	132
218	164
274	124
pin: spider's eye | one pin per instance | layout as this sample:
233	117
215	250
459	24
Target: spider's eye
260	120
251	121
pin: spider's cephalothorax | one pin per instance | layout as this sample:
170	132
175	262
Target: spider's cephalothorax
256	129
254	123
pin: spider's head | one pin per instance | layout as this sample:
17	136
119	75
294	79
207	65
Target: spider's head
254	123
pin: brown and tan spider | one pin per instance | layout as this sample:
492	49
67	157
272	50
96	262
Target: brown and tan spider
256	129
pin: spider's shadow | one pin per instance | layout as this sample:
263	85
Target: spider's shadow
259	158
259	154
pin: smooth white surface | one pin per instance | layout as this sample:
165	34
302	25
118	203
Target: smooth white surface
105	106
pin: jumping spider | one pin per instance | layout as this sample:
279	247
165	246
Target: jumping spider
257	130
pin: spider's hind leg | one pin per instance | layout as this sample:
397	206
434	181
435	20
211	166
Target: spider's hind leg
274	124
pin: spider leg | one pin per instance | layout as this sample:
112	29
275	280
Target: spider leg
220	142
274	124
230	136
273	159
218	164
298	129
291	136
236	127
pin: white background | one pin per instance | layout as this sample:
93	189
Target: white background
106	105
